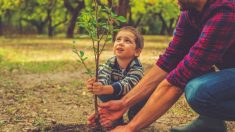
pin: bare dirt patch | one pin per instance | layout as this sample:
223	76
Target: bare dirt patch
69	128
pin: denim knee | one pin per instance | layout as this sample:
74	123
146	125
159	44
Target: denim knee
196	93
213	94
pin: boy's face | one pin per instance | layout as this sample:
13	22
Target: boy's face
125	46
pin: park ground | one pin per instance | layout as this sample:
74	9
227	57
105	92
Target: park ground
42	84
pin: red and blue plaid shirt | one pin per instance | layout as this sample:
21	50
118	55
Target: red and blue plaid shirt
200	41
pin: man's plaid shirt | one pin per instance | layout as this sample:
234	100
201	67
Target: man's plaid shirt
121	80
200	41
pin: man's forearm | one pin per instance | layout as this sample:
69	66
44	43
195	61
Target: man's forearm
159	102
145	87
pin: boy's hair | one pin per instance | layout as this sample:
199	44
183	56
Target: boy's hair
139	39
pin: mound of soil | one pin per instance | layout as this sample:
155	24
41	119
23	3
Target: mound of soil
68	128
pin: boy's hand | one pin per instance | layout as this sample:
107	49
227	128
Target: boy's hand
95	87
98	88
90	83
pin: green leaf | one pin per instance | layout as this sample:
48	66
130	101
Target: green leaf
116	30
113	15
105	26
83	59
109	38
79	61
81	53
121	18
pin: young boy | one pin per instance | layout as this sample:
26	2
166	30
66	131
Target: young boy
121	72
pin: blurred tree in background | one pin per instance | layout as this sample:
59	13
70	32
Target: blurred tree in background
7	7
56	17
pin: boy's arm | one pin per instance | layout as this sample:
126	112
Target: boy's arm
104	79
99	89
105	71
120	87
133	76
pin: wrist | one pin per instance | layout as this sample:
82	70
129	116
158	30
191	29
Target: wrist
125	102
108	89
131	125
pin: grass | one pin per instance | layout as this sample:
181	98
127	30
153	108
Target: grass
45	55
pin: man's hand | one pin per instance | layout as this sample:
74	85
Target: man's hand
111	111
105	123
124	128
91	120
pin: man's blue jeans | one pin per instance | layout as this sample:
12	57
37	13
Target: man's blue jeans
213	94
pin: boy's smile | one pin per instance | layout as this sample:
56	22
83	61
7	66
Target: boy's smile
120	49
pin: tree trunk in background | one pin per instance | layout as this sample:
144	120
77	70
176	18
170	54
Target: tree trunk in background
40	29
123	8
110	3
171	28
1	30
165	28
20	26
38	24
72	24
50	28
74	14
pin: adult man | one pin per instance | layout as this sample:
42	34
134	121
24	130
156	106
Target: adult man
203	38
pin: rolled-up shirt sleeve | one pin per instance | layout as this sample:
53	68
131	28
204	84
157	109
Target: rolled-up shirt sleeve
216	37
183	38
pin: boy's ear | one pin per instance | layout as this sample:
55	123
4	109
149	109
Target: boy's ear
137	52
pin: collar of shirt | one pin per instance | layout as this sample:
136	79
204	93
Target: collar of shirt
134	62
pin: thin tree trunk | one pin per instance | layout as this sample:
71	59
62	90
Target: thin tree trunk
74	12
40	29
123	8
72	25
20	26
164	25
1	30
50	28
171	28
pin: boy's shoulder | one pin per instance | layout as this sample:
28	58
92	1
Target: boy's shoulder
135	65
111	61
